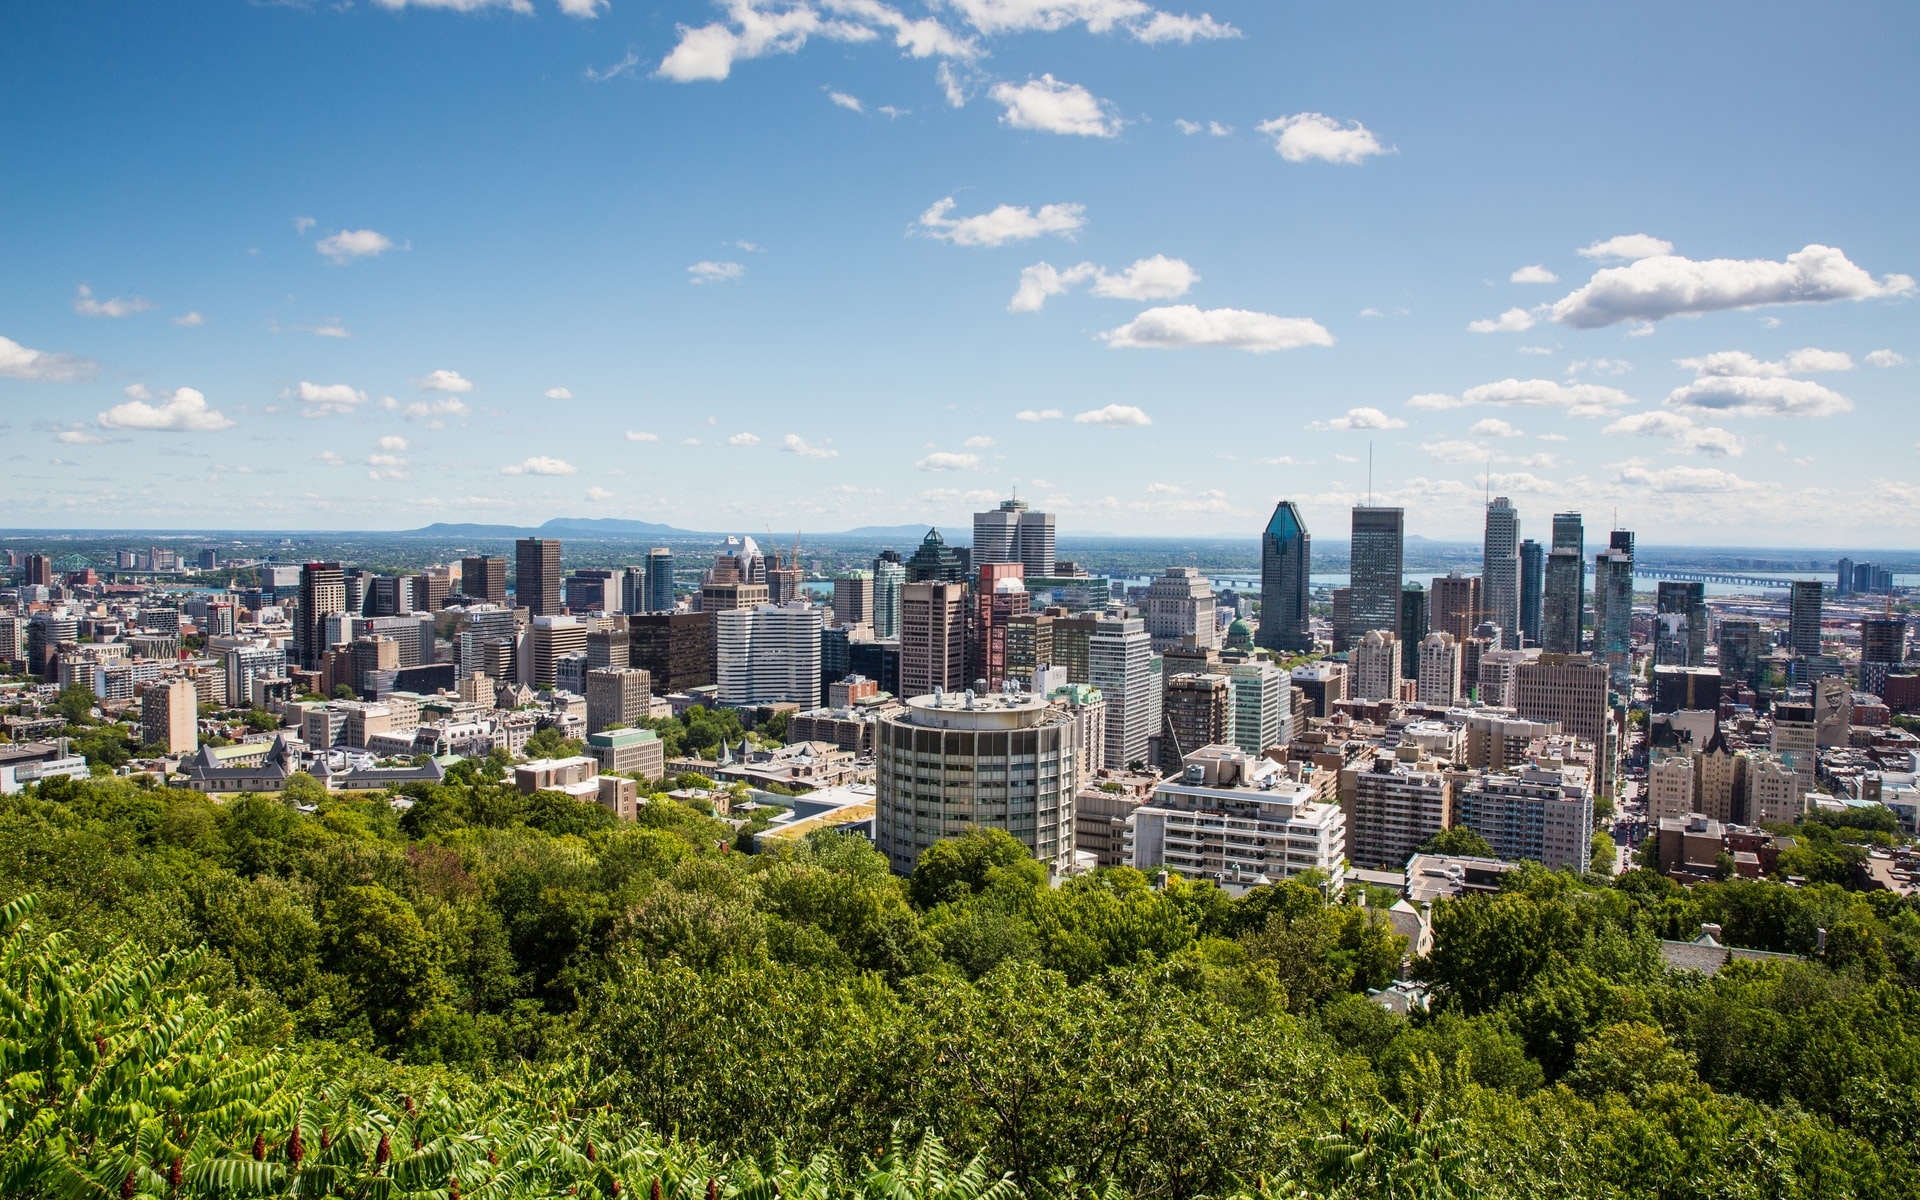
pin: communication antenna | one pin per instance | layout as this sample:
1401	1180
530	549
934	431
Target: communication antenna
1369	473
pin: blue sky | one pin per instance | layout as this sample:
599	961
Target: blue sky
374	265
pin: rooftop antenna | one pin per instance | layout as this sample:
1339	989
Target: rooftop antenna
1369	474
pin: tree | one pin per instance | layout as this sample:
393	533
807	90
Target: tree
76	705
386	957
1457	841
953	868
344	691
1605	853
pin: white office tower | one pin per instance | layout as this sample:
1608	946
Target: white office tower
768	654
486	624
1180	610
956	761
1118	663
888	579
1374	666
1012	534
1262	705
1237	819
1532	813
1500	570
1439	681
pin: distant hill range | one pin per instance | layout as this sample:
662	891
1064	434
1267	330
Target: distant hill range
560	527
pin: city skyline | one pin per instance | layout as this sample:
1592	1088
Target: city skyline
1152	270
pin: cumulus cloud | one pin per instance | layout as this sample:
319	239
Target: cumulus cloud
86	305
1211	128
386	466
18	362
715	272
558	393
1179	326
1050	106
793	443
302	224
1578	399
1683	435
1885	358
1359	418
434	410
190	320
639	435
1303	137
1135	18
1113	414
1453	451
1668	285
331	459
1511	321
183	410
392	444
1533	274
943	460
756	28
1494	427
1809	361
743	439
332	329
1599	366
1043	414
445	381
1156	278
1759	396
599	495
324	399
980	442
540	464
1682	480
343	247
1004	224
1628	246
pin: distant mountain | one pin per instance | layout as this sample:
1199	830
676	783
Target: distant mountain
573	527
953	537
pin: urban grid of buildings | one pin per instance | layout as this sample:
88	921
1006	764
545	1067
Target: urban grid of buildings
1244	736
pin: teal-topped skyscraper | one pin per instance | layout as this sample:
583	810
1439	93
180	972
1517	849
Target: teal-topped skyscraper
659	581
1285	555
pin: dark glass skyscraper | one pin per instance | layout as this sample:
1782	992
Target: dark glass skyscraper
935	562
323	594
536	576
1680	624
1413	627
1613	600
1533	563
1379	536
1564	599
1285	557
659	597
1803	618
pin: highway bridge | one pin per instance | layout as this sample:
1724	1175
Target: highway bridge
1766	582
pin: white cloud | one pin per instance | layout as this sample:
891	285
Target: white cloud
599	495
851	103
444	380
622	68
1182	325
18	362
331	459
393	444
302	224
751	247
558	393
793	443
1667	285
349	244
1579	399
1212	128
1494	427
1886	358
1536	350
1004	224
1044	414
183	410
1686	436
332	329
1371	311
1511	321
980	442
636	435
1759	396
891	112
87	306
1113	414
1533	274
743	439
540	465
1050	106
947	461
1359	418
446	406
955	84
715	272
1552	437
1682	480
1310	135
1133	17
1599	366
1166	27
1809	361
1455	452
323	399
1156	278
190	320
755	28
1628	246
386	466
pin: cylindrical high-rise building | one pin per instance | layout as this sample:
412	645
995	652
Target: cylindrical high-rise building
954	762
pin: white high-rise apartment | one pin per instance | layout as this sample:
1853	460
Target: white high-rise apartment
888	579
768	654
1500	570
1670	784
1238	819
486	624
853	598
1180	610
1118	663
1374	666
1532	813
1439	679
1773	789
1262	705
1399	801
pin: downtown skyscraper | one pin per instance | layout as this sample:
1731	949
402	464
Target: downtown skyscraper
1375	557
1013	534
1500	570
1613	600
1564	600
1285	558
323	594
536	576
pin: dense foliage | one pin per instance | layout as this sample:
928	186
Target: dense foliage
538	978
